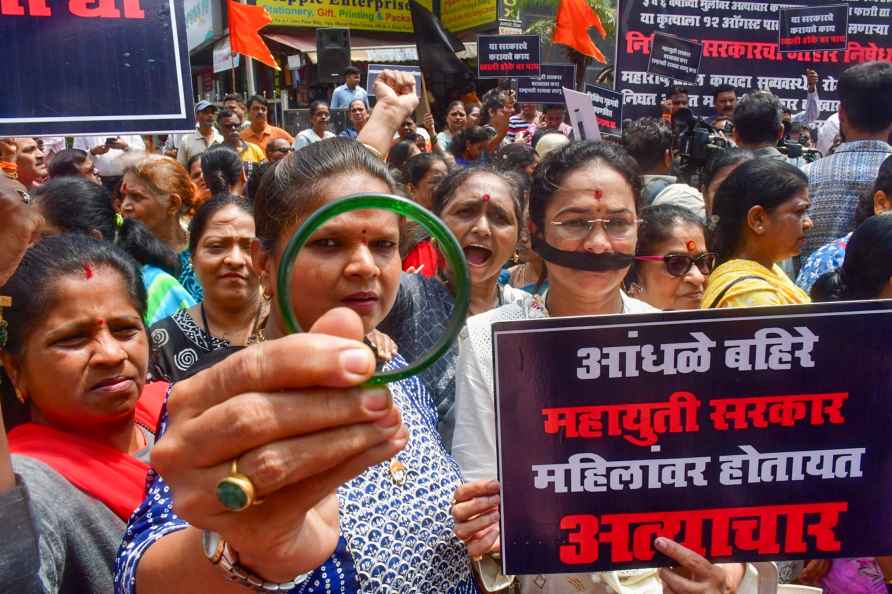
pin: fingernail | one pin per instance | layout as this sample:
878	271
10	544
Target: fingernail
358	361
389	422
376	400
661	543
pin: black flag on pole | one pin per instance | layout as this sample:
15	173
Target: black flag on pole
445	75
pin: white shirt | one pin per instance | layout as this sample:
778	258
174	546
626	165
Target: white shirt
827	133
474	441
109	164
308	137
193	144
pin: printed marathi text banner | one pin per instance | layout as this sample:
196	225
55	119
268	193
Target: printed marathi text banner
740	48
756	434
75	68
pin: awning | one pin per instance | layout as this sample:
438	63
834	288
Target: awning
362	48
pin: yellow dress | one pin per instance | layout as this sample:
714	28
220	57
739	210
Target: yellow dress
760	286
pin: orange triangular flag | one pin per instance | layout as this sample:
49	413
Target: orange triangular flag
573	20
244	23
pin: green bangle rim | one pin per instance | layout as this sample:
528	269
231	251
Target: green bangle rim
446	241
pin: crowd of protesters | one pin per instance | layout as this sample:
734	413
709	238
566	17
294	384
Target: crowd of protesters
145	371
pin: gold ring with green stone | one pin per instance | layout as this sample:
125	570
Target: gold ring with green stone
236	491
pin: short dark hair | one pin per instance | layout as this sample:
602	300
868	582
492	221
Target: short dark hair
258	99
234	97
227	113
677	91
722	89
867	267
66	162
415	168
647	140
758	182
351	70
758	118
465	137
315	105
864	92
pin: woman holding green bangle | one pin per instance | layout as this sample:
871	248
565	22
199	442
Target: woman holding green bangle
291	451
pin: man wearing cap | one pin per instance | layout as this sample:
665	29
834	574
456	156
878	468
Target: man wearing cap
348	92
205	135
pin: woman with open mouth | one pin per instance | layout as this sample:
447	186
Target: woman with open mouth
74	356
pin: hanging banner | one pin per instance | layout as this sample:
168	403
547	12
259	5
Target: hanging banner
740	48
548	88
674	57
106	69
608	106
223	58
743	434
814	29
371	15
202	21
508	56
460	15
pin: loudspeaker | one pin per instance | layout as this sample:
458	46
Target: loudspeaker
332	53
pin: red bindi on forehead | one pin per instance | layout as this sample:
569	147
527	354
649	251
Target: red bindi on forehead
599	193
691	245
486	198
88	271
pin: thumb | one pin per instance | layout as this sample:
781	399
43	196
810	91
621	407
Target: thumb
342	322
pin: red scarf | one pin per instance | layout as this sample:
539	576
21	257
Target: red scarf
116	479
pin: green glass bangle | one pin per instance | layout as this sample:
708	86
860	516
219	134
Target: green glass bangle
446	241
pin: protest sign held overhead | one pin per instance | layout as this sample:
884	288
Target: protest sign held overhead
608	106
142	82
734	432
813	29
502	56
674	57
548	87
582	115
740	49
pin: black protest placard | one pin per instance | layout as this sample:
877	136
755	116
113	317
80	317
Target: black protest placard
740	49
376	69
814	28
101	68
548	88
608	106
743	434
675	57
503	56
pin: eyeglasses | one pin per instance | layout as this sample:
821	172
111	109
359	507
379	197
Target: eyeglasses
284	149
231	126
618	228
679	265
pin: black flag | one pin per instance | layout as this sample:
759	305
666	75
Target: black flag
445	75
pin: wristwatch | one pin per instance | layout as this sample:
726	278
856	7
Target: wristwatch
220	553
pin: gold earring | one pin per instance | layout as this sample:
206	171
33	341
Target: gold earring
18	395
515	259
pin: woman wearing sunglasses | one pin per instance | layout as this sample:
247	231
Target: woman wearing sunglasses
762	219
672	264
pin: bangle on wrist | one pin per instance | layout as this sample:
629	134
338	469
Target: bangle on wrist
219	553
373	150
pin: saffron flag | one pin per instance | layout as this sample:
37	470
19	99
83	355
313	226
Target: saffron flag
573	20
244	23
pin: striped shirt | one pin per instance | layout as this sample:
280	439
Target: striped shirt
165	295
835	184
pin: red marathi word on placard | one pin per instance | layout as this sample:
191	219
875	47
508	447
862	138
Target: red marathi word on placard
782	411
630	537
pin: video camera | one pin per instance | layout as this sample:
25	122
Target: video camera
696	141
794	150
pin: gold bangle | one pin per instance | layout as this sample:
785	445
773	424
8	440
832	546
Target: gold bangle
373	150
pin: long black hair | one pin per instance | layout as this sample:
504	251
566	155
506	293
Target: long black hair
32	289
221	168
465	137
77	205
867	267
759	182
